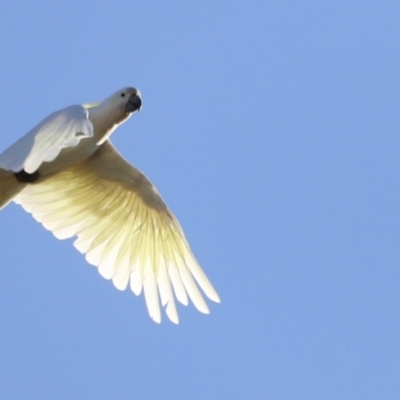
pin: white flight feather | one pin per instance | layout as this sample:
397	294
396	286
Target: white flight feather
63	128
124	228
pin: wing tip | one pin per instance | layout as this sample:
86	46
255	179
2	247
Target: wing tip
172	313
214	297
156	318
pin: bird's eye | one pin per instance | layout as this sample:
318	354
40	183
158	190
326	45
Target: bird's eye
122	94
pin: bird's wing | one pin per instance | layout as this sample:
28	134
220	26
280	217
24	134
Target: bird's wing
124	228
64	128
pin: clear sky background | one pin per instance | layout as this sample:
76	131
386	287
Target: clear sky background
272	131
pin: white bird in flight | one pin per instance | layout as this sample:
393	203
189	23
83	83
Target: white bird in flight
68	175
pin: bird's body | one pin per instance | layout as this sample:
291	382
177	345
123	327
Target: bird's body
69	176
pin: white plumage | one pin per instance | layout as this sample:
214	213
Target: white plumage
84	188
64	128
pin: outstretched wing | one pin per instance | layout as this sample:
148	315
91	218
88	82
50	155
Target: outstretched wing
64	128
124	227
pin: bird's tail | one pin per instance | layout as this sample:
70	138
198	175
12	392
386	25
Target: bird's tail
9	187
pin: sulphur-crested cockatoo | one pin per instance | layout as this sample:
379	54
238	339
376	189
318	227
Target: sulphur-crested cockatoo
68	175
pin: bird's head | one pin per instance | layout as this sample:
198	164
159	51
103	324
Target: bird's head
113	111
118	107
127	100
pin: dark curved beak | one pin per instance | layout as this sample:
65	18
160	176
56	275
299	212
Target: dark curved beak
134	104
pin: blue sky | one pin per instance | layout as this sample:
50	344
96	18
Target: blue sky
271	129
